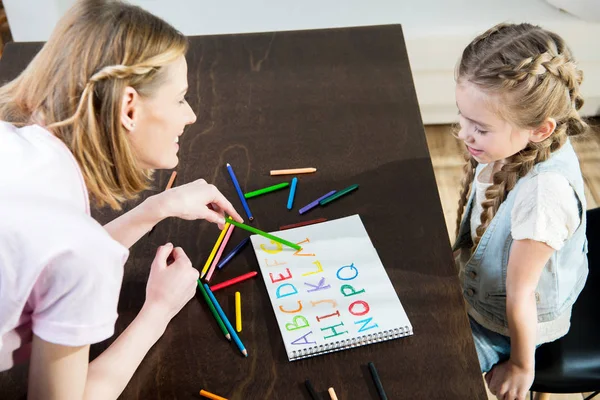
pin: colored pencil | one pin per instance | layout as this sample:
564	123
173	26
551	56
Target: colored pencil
169	185
233	252
238	312
377	381
332	394
265	234
211	256
304	223
238	189
211	396
267	190
233	281
292	171
315	203
338	194
219	253
311	390
234	335
213	310
290	202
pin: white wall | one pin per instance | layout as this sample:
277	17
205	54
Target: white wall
436	31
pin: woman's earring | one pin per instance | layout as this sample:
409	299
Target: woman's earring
132	125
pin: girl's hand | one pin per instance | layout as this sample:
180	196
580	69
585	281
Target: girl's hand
509	381
172	282
198	200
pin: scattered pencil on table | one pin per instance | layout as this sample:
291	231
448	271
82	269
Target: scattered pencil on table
211	256
338	194
233	252
264	234
234	336
332	394
233	281
269	189
293	171
238	312
315	203
303	223
169	185
213	310
238	189
377	381
219	253
311	390
290	202
211	396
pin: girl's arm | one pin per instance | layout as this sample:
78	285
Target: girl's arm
526	262
194	200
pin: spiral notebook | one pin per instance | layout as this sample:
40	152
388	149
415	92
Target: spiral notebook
332	295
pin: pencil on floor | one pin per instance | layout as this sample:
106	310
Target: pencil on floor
269	189
304	223
213	311
214	250
211	396
377	381
234	336
169	185
233	252
238	312
290	202
233	281
219	253
238	189
264	234
311	390
332	394
292	171
338	194
315	203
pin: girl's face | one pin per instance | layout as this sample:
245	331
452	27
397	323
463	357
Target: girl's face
488	137
159	120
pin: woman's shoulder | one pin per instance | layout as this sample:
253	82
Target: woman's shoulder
33	160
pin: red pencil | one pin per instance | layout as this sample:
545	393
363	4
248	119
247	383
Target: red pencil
233	281
312	221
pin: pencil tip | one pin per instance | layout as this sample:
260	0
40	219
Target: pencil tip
228	336
245	352
229	165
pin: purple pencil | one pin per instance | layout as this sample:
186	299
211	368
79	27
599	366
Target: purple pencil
315	203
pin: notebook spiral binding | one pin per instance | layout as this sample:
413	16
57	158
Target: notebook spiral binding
351	342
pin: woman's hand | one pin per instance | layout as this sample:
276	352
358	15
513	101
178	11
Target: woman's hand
171	284
198	200
509	381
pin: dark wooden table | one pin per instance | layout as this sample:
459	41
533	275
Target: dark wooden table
341	100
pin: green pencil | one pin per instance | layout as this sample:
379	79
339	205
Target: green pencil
265	234
266	190
339	194
213	310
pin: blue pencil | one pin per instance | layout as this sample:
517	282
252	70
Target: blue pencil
290	202
233	252
239	192
315	203
232	331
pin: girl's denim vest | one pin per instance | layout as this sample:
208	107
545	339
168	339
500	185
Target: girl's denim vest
483	275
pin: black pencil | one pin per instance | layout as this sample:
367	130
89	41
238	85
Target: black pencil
311	390
377	381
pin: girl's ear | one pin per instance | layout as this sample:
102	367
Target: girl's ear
543	131
130	108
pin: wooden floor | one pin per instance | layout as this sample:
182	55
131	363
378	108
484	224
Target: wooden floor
446	156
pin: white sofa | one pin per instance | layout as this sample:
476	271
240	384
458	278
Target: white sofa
436	31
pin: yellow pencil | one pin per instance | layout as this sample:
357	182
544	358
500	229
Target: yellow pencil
332	394
214	250
292	171
211	396
238	312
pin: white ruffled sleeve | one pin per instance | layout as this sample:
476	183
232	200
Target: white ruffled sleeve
546	210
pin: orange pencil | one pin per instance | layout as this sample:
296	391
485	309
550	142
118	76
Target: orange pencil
332	394
211	396
292	171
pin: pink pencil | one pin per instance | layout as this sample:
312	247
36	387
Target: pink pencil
219	253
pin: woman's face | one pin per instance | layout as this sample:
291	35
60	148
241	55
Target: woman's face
158	121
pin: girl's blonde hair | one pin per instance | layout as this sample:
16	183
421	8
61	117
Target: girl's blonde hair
533	74
75	85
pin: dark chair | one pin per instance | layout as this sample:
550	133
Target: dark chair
572	363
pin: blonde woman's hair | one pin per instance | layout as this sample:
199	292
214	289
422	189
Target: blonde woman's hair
533	74
75	86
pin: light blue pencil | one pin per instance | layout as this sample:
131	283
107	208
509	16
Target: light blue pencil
290	202
232	331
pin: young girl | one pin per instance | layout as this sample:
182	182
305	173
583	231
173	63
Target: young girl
521	232
97	110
